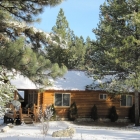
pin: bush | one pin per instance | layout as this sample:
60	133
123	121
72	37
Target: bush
113	114
54	112
45	118
72	114
94	114
132	113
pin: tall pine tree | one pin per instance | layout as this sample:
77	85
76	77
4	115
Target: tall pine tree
117	49
71	56
77	54
21	45
55	53
62	25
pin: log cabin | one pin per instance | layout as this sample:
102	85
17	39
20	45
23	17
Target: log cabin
72	87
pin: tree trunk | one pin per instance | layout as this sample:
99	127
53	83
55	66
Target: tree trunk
136	108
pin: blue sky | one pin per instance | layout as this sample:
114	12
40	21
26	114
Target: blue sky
82	15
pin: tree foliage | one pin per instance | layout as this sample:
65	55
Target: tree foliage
62	25
72	56
94	113
6	91
22	45
15	18
26	10
73	112
117	49
132	113
113	114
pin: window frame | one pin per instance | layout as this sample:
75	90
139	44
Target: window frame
62	99
104	98
126	101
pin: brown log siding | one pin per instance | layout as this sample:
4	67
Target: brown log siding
85	101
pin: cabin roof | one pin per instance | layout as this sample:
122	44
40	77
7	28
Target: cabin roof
72	80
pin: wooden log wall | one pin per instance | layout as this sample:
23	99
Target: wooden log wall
40	99
85	101
48	99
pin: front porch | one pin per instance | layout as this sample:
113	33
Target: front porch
28	111
19	117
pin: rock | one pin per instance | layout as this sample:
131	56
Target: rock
10	125
100	120
5	129
64	133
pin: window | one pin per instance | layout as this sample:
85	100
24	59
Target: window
103	96
126	100
21	92
62	99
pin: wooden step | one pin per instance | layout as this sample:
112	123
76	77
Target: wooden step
27	119
28	122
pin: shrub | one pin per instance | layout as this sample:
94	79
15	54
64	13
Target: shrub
45	118
132	113
94	114
72	114
54	112
113	114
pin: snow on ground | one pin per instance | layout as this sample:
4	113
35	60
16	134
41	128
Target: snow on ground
34	132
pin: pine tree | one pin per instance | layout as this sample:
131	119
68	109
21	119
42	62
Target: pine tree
72	56
6	91
117	49
62	25
89	49
26	10
17	20
55	53
132	113
22	45
94	113
77	54
73	112
113	114
54	112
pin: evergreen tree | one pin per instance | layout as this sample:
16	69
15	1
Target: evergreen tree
21	45
62	27
89	50
77	54
72	56
73	112
113	114
26	10
6	91
88	42
94	113
17	16
55	53
132	114
117	49
54	112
